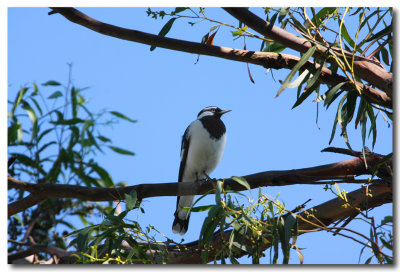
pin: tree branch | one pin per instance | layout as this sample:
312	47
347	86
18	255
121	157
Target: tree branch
341	171
64	255
325	213
265	59
318	217
364	68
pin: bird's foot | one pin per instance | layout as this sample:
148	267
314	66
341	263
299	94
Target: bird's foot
208	179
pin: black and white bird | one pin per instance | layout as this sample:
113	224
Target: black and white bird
202	147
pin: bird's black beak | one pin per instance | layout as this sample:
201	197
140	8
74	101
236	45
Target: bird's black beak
224	111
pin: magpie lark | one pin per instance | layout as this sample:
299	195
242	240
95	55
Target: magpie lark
203	144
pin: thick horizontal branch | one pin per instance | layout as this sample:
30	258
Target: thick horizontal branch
343	171
317	217
364	68
265	59
64	255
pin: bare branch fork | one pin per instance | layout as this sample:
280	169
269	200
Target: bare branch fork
343	171
265	59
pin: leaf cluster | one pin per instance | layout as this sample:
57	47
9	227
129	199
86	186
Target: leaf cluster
253	225
54	137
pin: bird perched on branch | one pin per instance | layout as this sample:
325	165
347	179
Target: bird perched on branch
203	144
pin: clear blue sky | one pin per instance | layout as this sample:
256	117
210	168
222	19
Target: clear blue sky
164	90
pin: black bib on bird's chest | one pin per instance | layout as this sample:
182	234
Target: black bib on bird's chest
214	126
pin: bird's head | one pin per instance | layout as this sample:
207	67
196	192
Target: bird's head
211	111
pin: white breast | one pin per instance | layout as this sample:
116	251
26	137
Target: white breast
204	152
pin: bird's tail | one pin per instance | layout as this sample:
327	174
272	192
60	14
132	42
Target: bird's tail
181	221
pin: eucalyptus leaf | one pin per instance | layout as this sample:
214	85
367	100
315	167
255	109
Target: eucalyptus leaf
301	62
164	30
121	150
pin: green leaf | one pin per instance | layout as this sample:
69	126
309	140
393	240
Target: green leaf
45	146
282	13
241	247
51	83
346	35
361	109
74	93
368	261
35	89
388	218
363	124
54	95
242	181
164	31
18	99
73	121
37	105
25	160
32	115
301	62
104	175
120	115
131	200
322	14
385	56
387	30
351	105
273	19
201	208
298	80
239	31
309	89
218	192
121	150
274	47
372	119
103	139
14	132
330	94
210	224
178	9
213	27
334	128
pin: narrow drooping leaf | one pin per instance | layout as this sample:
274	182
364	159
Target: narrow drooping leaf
331	93
122	116
121	150
372	119
298	80
18	99
334	128
55	95
385	56
351	105
32	116
346	35
164	30
103	174
301	62
74	104
242	182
